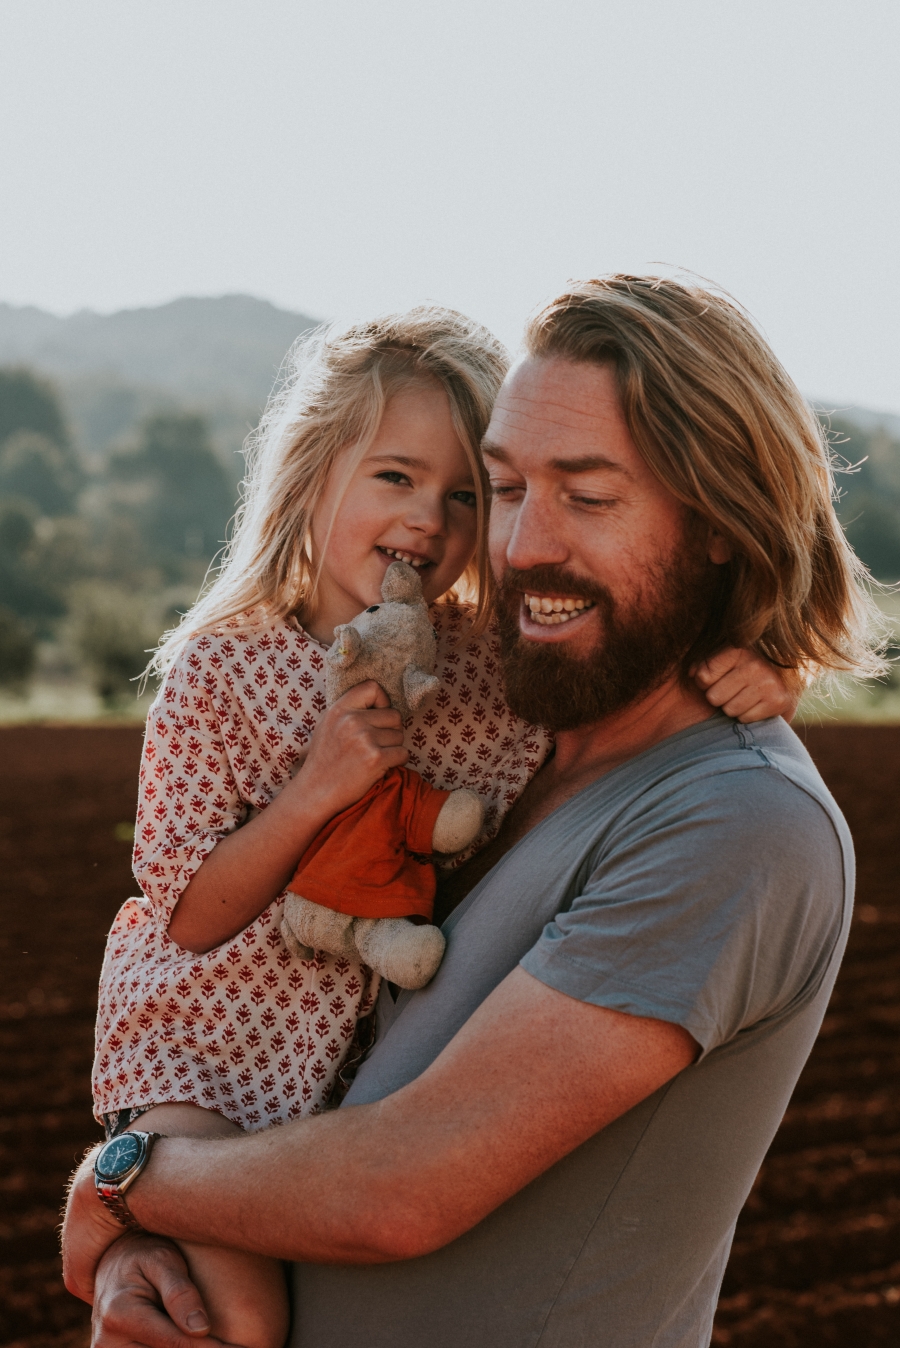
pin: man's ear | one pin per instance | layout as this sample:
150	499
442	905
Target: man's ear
719	549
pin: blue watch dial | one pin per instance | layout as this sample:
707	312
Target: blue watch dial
118	1156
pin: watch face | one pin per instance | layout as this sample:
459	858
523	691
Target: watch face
118	1156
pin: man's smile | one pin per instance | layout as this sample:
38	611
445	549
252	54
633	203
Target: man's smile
551	610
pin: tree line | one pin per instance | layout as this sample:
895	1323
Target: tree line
97	558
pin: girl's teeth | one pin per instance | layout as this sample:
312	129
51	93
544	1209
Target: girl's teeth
403	557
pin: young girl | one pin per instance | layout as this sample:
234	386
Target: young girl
207	1023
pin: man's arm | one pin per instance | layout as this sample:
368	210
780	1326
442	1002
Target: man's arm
529	1077
145	1298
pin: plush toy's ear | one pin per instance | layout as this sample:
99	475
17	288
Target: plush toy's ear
401	585
417	685
347	646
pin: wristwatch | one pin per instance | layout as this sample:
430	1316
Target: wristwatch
117	1166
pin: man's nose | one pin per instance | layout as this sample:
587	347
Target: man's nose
537	537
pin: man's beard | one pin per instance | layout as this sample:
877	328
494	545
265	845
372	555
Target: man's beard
637	649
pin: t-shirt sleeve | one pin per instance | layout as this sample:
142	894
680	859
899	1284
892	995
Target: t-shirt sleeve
713	908
188	799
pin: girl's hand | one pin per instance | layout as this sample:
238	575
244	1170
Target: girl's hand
354	744
747	686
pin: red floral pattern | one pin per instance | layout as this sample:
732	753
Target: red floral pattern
248	1029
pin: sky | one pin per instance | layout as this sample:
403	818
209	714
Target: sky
351	157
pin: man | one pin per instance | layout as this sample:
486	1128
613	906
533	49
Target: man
552	1142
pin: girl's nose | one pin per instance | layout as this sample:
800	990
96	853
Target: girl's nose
426	515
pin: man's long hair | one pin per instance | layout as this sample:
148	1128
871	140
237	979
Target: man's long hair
722	425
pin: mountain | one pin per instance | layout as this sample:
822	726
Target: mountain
217	356
227	348
863	417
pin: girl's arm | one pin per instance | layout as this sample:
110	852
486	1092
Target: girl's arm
354	744
747	686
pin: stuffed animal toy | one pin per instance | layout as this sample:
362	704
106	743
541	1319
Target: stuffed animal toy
366	885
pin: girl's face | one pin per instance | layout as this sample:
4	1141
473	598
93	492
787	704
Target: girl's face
412	498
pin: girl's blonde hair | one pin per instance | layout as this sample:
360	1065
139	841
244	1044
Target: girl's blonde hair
724	427
336	385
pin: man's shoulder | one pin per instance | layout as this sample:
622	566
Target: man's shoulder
748	795
721	760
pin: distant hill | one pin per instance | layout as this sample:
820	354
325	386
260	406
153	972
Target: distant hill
196	349
215	356
863	417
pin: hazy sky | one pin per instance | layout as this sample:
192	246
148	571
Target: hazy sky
348	156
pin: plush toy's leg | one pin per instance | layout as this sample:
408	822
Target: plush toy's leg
459	821
319	928
402	952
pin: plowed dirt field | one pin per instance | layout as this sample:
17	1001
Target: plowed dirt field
816	1258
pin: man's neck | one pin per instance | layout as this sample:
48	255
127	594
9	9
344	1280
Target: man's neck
592	750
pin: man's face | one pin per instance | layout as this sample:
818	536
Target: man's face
605	576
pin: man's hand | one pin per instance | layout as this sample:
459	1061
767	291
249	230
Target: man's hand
88	1231
144	1297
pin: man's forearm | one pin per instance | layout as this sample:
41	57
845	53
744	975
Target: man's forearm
309	1191
403	1176
407	1174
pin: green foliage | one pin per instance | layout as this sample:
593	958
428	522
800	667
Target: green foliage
92	553
18	652
24	589
868	481
34	467
29	403
175	490
113	633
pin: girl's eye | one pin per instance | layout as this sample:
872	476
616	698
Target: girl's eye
395	478
466	497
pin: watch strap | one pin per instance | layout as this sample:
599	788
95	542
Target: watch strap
113	1200
112	1192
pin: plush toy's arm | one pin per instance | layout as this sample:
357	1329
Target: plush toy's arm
347	646
459	822
417	685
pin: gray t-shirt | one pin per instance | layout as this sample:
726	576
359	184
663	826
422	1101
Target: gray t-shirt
707	882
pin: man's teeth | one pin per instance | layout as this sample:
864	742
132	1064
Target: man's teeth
550	611
405	557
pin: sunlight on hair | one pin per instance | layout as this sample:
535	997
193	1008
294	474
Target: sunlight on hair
335	385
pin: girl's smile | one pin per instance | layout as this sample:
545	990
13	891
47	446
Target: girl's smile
410	498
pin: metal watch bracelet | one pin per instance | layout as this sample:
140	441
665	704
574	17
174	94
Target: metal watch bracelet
111	1192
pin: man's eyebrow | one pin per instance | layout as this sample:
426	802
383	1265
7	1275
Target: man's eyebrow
589	463
585	463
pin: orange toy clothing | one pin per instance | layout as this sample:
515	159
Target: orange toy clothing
374	858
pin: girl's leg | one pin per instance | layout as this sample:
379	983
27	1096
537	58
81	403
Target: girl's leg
245	1294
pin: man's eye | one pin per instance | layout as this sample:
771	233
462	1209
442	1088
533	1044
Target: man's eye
467	497
595	500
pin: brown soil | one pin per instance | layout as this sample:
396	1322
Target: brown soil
816	1258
